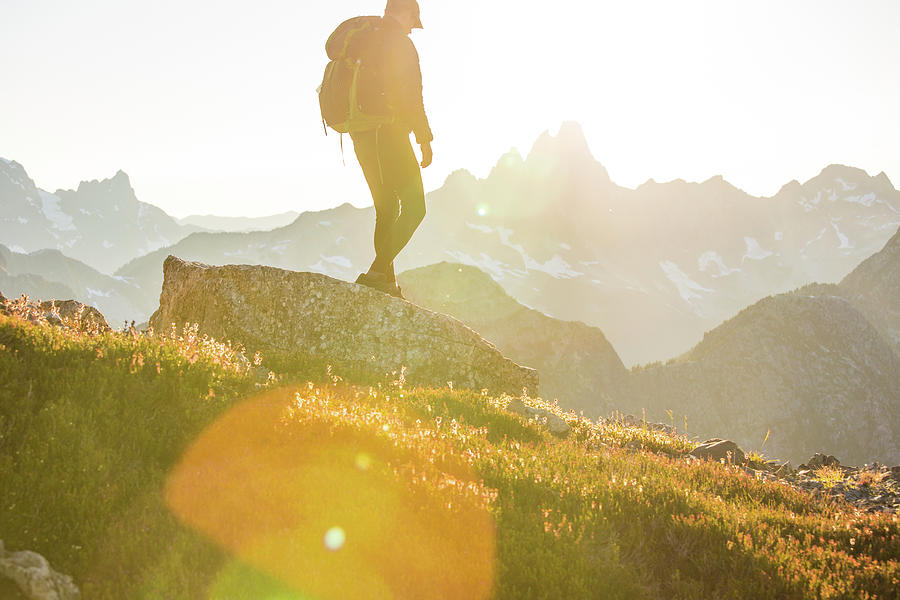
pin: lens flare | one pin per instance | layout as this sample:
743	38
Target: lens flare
326	508
335	538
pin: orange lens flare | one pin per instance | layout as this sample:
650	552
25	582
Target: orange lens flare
322	507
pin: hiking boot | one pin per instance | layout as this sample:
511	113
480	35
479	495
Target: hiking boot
396	292
379	281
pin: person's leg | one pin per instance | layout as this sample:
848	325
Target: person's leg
369	149
404	178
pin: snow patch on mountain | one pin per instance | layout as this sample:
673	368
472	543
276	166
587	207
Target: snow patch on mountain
498	270
481	228
818	238
845	241
687	287
50	208
754	250
341	261
712	258
281	247
847	186
556	267
866	200
333	266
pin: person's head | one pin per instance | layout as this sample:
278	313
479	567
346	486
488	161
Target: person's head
405	12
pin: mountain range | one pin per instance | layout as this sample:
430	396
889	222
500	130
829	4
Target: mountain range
819	368
812	370
50	275
565	271
654	268
238	224
102	223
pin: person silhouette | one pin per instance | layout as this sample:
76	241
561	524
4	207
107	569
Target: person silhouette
390	86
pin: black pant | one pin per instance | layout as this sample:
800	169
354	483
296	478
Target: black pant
392	172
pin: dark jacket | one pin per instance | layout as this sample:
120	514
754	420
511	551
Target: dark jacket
390	79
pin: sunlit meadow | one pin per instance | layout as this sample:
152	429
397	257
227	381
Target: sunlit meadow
152	465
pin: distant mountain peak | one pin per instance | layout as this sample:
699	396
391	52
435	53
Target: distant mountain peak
566	155
835	172
117	187
569	142
511	161
460	177
718	182
884	181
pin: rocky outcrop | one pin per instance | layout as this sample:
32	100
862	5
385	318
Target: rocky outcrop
63	313
720	450
578	366
74	314
35	578
808	368
819	460
307	318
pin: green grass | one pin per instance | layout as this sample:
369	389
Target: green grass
96	431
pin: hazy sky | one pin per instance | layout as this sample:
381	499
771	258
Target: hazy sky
210	106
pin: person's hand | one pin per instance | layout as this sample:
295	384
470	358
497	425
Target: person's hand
426	153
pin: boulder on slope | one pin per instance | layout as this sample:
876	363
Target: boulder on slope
309	318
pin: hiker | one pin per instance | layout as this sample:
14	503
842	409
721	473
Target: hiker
388	106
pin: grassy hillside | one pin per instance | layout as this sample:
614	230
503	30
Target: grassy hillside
155	467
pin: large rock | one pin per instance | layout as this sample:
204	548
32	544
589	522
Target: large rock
718	449
75	314
33	575
307	317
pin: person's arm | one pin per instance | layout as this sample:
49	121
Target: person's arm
409	96
426	154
